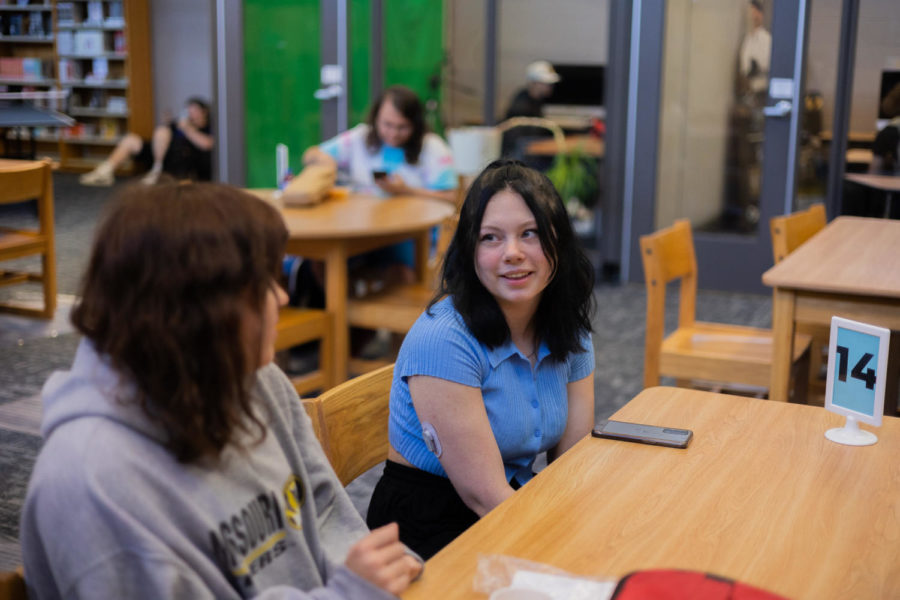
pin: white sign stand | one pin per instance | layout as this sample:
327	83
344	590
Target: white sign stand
857	367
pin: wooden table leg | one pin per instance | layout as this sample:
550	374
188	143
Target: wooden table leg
783	302
336	303
422	243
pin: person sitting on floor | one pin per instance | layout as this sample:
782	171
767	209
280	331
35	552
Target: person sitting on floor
183	149
499	368
178	461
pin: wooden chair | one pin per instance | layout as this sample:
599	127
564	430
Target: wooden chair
12	585
21	181
301	325
698	351
353	422
397	307
788	233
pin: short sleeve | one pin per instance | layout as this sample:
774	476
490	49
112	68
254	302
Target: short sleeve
439	171
581	364
440	345
340	147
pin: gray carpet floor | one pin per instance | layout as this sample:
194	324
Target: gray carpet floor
30	349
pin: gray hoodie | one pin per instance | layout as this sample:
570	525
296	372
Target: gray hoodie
110	513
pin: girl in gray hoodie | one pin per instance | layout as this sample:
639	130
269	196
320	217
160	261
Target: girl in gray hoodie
177	460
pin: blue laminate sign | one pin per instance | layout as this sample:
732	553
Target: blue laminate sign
857	366
856	357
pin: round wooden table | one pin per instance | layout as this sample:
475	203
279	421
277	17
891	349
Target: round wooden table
345	225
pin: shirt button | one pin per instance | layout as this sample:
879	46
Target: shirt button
534	403
537	433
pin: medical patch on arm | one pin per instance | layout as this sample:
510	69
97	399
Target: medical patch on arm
430	436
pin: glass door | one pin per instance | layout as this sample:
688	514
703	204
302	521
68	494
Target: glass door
728	78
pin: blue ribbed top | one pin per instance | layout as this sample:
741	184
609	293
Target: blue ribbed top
527	408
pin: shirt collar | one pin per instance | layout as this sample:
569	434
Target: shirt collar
502	352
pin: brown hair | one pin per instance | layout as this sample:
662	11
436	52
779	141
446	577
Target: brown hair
407	104
173	270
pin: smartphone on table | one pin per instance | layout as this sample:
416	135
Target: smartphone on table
644	434
376	175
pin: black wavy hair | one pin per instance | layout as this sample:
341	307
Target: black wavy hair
564	312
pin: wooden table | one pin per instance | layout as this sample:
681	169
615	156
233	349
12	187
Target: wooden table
24	115
759	495
849	269
588	145
348	225
12	163
890	184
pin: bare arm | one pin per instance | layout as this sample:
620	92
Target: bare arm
395	186
581	415
198	138
470	453
315	155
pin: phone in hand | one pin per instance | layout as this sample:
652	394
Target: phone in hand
379	175
644	434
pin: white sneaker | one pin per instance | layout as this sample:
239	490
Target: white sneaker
97	177
150	178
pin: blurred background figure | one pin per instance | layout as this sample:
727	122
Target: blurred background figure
756	50
183	149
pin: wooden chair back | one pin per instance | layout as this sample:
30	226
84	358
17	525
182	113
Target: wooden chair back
20	181
301	325
353	420
12	585
789	231
668	255
697	351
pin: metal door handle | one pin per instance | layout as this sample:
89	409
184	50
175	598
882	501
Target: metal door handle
782	108
332	91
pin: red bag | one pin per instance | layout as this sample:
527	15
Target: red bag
672	584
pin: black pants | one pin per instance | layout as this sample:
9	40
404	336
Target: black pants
426	507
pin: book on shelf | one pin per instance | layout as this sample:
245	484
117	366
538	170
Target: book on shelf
117	105
119	43
115	16
32	68
94	13
69	70
108	128
36	24
88	43
65	14
23	67
14	25
72	131
99	71
65	42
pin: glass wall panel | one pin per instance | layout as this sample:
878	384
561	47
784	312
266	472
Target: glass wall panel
715	77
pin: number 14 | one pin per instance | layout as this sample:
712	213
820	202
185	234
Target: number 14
857	373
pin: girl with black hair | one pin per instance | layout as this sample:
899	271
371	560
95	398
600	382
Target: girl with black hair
497	370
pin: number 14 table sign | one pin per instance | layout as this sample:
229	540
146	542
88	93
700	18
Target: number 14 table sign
857	365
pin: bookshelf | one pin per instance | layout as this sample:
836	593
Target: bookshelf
98	51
